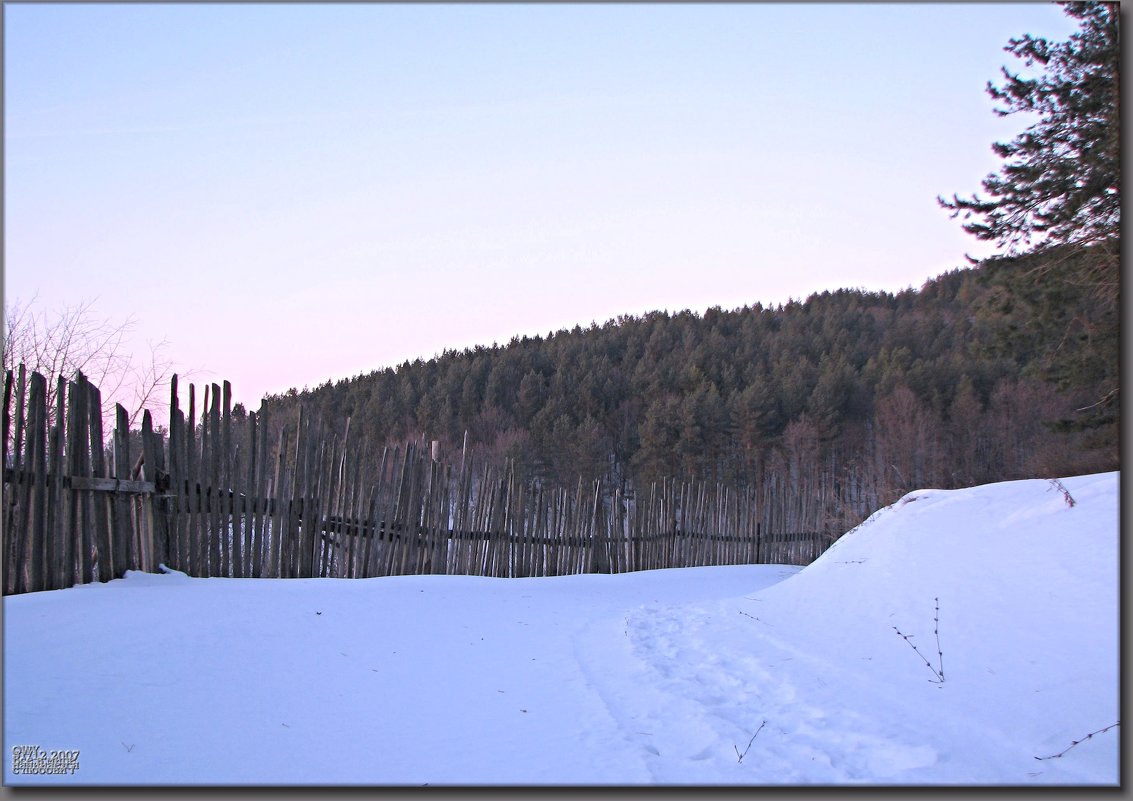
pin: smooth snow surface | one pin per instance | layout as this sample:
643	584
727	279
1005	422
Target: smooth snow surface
663	677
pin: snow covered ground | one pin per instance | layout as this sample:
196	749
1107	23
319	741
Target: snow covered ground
747	675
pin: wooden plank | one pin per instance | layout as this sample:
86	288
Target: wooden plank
121	530
6	414
56	562
37	506
15	519
414	527
429	533
72	545
80	466
288	533
204	486
400	515
494	492
521	544
173	506
252	508
86	483
207	482
412	556
370	556
21	399
590	554
329	490
368	546
303	504
408	508
462	518
178	505
539	565
5	493
291	477
557	532
465	516
438	522
152	452
306	471
582	528
100	505
351	515
321	494
338	498
444	512
281	494
201	463
224	485
194	536
6	496
248	511
624	549
217	530
373	543
423	511
276	490
181	489
392	557
358	504
263	495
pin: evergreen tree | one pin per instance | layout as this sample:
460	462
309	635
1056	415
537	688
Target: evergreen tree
1061	180
1057	197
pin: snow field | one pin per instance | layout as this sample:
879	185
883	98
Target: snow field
742	675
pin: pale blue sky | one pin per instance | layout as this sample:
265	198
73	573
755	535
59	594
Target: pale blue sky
291	193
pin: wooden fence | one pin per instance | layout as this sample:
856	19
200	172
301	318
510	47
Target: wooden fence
215	498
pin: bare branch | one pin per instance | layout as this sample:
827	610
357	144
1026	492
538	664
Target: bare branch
76	340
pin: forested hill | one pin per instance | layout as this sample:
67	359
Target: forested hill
857	396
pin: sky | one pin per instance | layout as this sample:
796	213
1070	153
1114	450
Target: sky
954	639
294	193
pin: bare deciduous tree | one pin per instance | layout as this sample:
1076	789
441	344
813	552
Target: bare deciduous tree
76	339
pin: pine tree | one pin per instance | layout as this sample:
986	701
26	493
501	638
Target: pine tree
1057	196
1061	180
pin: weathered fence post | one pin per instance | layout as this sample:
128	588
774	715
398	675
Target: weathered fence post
37	491
124	556
154	466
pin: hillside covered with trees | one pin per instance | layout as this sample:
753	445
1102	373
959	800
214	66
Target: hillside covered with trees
849	398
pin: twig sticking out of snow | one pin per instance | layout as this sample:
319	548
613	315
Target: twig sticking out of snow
936	631
1076	742
1066	496
740	756
939	670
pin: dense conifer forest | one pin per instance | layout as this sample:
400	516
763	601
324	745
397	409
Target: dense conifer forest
834	405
